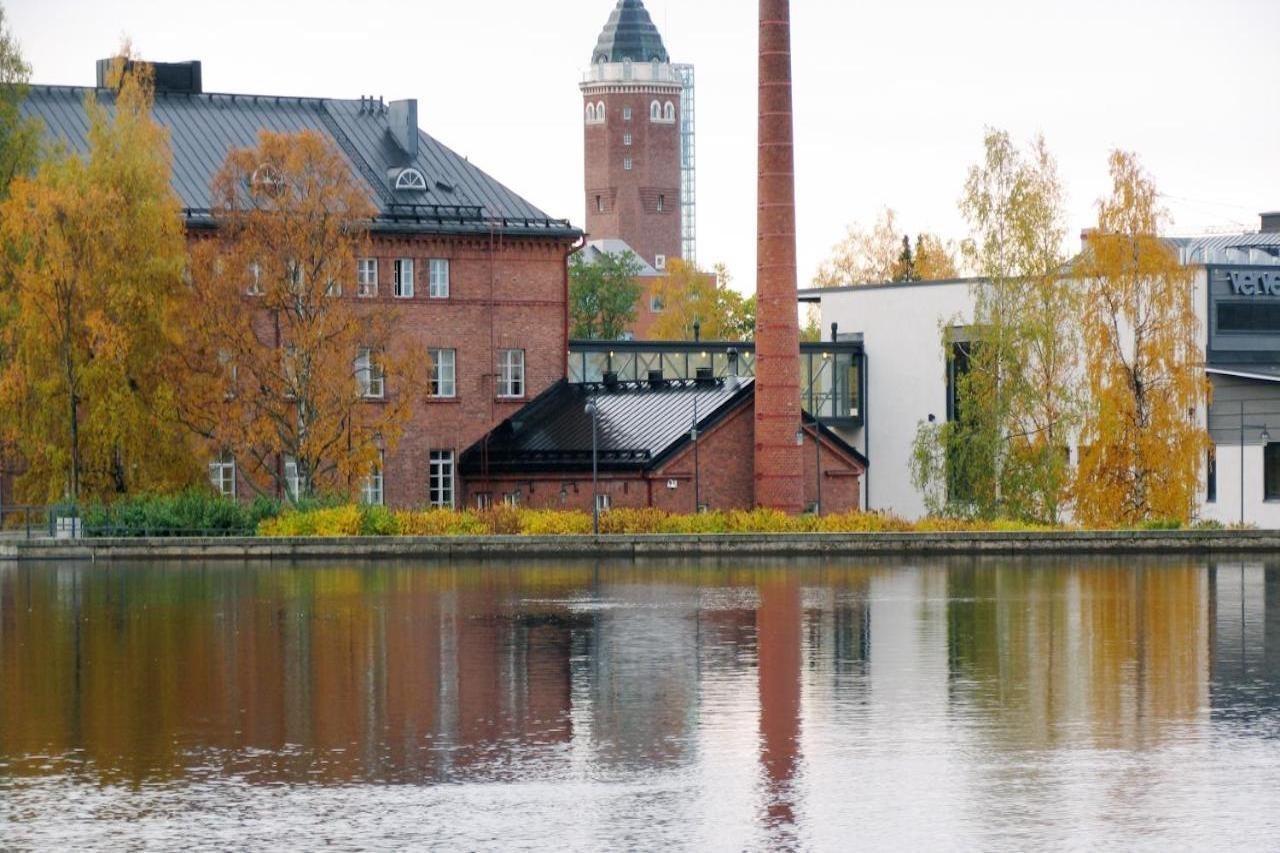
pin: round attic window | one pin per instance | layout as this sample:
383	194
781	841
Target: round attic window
411	179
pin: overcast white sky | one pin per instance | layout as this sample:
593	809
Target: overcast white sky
892	96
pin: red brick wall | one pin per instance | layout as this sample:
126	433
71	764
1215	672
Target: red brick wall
511	294
630	198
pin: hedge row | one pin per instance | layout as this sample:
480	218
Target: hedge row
504	521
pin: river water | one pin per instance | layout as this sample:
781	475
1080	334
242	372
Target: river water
826	705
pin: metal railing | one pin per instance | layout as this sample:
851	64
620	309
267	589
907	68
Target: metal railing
39	522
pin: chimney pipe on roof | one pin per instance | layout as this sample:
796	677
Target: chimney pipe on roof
402	116
1271	222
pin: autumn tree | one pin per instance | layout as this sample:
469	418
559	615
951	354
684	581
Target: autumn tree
94	270
885	254
303	384
1142	445
19	136
1001	453
690	296
603	294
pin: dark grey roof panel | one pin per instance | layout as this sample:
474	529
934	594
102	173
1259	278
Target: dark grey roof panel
630	34
205	128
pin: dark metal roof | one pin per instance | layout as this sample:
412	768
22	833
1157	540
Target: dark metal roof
639	426
630	34
204	128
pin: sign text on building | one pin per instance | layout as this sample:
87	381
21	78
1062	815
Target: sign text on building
1255	283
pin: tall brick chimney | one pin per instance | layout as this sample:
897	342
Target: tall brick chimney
779	467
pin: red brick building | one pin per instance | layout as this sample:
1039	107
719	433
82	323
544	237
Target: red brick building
478	273
646	452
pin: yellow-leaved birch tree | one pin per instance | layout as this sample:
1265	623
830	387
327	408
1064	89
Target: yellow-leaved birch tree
1142	443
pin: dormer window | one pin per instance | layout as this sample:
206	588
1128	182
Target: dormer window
411	180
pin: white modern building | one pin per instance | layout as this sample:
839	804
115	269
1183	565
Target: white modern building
1237	298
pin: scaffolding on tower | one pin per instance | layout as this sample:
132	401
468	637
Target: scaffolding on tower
688	168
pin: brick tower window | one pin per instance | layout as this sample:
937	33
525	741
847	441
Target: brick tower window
662	203
626	113
627	164
626	139
599	204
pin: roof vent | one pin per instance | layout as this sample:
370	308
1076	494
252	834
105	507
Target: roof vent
704	377
1271	222
611	379
402	116
656	380
171	77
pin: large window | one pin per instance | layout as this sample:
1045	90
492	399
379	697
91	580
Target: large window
511	373
222	474
1271	471
438	278
371	489
1249	317
441	486
369	376
404	278
367	277
444	373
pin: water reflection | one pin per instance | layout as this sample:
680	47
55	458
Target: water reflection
984	703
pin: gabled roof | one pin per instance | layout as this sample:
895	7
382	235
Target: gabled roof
595	248
205	127
630	34
639	426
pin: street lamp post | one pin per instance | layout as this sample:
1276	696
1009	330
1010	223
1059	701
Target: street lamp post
1266	437
594	411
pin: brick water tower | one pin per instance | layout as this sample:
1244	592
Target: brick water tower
633	107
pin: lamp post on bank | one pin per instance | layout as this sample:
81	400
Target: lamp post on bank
1266	439
594	411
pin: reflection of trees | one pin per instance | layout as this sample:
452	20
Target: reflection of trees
1118	649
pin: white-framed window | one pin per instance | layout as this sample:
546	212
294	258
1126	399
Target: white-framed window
369	376
626	113
371	493
655	111
599	204
404	278
367	277
627	164
438	278
484	500
626	139
297	276
660	262
444	373
511	499
600	111
222	475
511	373
441	482
292	479
669	112
591	113
411	179
254	287
662	203
333	288
604	502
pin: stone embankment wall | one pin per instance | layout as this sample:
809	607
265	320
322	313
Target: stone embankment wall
639	547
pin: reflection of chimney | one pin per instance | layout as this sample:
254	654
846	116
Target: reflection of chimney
779	661
1271	222
778	464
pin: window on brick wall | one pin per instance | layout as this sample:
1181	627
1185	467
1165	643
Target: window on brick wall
662	203
599	204
371	492
626	139
441	486
626	164
626	113
367	277
444	373
222	474
404	278
369	376
511	373
438	278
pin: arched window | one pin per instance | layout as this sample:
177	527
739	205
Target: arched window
411	179
600	113
591	113
655	111
669	112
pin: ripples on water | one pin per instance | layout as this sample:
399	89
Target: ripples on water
831	706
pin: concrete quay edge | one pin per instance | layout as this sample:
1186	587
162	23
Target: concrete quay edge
644	546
